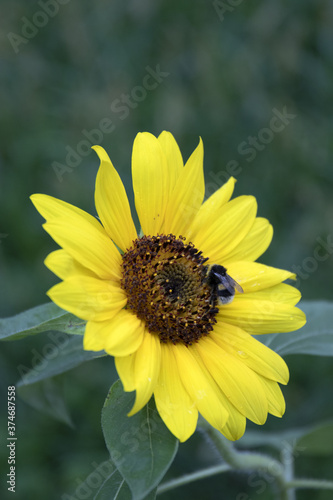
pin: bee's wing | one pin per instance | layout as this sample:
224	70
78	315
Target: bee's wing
238	288
225	281
234	284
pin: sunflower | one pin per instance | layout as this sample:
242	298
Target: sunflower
149	299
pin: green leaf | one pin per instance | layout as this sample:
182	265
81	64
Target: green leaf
116	488
46	396
40	319
141	446
318	440
56	357
316	337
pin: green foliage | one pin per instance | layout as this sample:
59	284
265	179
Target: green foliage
316	439
116	487
141	446
46	396
63	356
42	318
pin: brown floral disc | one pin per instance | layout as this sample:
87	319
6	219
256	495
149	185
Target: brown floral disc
164	279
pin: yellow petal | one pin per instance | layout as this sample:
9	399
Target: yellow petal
200	386
173	157
89	298
235	426
239	384
230	226
251	352
64	266
253	276
209	209
275	399
262	316
80	234
120	336
92	342
280	294
236	423
125	367
112	203
187	195
91	248
254	244
173	402
139	371
150	182
147	367
53	209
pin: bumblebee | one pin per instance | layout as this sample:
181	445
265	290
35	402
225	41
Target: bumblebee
222	285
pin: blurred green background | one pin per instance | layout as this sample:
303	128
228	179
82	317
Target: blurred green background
74	66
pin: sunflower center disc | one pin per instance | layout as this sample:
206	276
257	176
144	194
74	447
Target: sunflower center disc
164	279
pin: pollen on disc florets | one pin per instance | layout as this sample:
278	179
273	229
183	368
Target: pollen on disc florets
164	279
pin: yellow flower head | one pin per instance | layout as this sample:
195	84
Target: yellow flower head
177	306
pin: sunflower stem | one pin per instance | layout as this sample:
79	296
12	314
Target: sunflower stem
287	460
189	478
248	461
318	484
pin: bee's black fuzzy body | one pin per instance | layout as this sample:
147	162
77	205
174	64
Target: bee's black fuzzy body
222	285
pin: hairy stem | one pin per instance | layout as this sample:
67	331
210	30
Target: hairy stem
318	484
189	478
287	460
281	473
246	461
